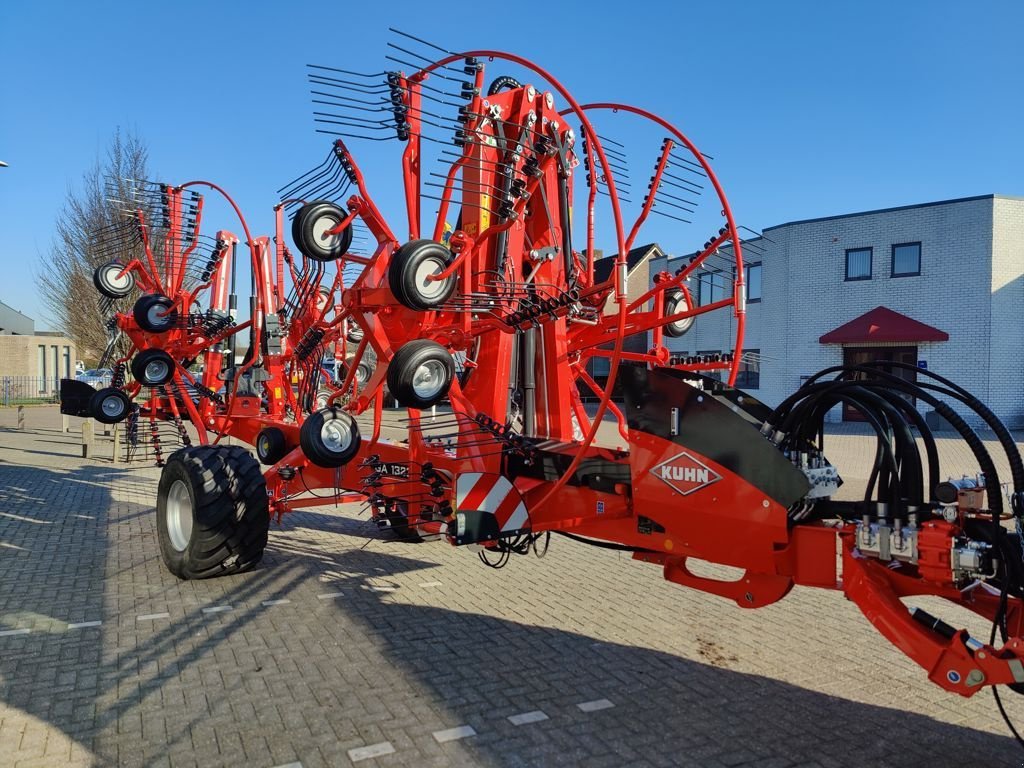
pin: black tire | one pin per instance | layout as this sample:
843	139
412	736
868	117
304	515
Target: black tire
353	331
330	437
211	512
152	367
411	385
320	399
110	405
309	224
675	301
271	445
408	271
149	313
106	280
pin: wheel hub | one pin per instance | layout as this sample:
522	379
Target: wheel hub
156	371
429	379
112	407
335	435
430	289
321	227
179	515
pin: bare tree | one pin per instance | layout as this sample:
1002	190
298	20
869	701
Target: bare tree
93	228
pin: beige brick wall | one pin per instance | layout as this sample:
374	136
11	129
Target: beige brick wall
19	358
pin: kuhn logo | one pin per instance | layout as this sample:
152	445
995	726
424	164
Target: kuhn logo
685	474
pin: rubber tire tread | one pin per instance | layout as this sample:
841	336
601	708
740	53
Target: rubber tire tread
231	514
302	232
403	365
144	358
141	312
106	288
402	273
309	439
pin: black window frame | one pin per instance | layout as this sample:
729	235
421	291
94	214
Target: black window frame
742	383
871	263
746	279
892	262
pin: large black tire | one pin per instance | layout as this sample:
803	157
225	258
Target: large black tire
271	445
310	223
675	301
149	313
409	269
211	512
107	282
110	405
152	367
420	374
330	437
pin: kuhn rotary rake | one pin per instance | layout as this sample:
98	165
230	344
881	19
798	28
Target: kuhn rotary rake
489	299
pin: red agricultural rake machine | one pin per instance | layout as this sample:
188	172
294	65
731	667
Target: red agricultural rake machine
489	298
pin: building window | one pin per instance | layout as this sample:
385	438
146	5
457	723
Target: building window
858	263
906	259
749	374
67	362
753	281
600	367
710	288
710	353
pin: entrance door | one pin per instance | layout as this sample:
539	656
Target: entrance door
862	355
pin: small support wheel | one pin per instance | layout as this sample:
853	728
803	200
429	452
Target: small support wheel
212	515
309	228
111	283
330	437
420	374
152	367
353	331
675	301
110	405
154	313
410	269
322	398
271	445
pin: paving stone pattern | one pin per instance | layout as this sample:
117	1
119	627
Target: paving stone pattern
345	647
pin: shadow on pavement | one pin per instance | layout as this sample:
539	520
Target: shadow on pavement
267	686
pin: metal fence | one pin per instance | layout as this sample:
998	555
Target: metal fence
27	390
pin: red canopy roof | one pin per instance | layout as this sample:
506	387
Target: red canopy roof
882	324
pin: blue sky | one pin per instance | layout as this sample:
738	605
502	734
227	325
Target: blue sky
809	108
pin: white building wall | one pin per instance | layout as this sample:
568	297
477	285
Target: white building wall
1006	361
971	286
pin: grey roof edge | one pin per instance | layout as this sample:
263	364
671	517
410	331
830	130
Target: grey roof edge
896	208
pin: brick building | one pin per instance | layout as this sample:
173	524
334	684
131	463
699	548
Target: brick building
32	362
939	285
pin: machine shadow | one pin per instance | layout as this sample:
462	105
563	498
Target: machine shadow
667	710
473	669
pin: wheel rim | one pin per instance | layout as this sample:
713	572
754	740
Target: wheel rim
112	407
178	515
430	289
336	435
156	317
678	304
156	371
115	282
263	446
362	374
321	226
430	379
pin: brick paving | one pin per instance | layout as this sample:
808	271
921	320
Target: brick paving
348	648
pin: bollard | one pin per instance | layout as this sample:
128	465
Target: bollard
87	442
65	423
21	417
117	445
